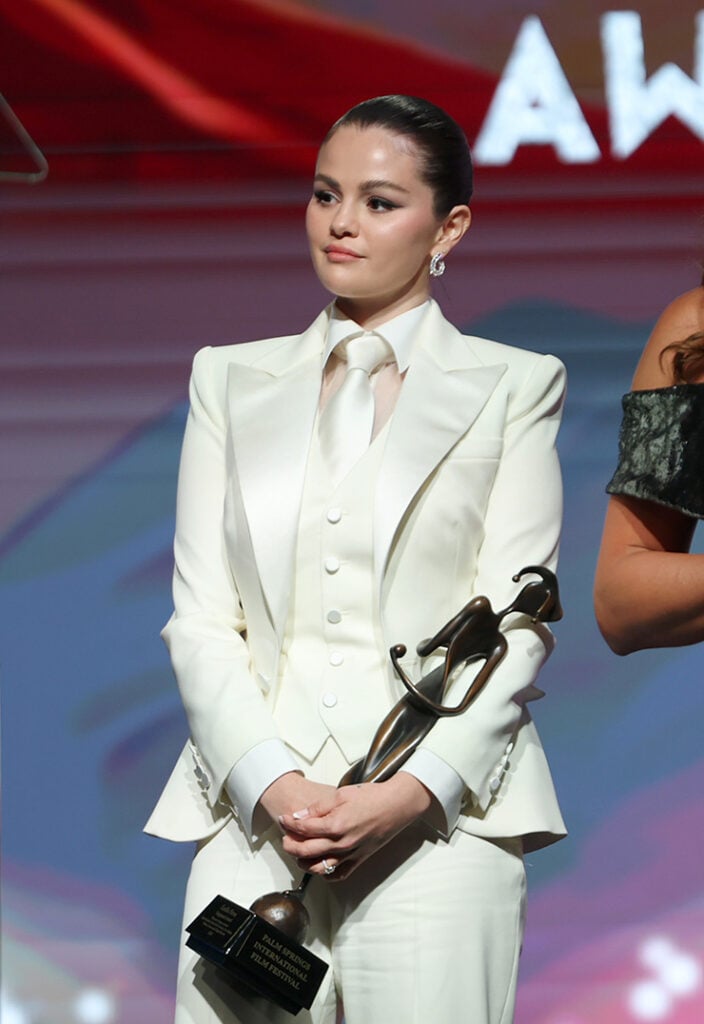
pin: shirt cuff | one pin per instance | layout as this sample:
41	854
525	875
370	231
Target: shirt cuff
253	773
445	785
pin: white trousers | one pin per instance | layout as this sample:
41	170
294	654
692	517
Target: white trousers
426	930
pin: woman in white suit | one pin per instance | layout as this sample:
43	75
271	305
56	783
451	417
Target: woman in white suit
303	553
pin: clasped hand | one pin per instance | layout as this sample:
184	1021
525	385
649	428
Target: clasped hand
343	827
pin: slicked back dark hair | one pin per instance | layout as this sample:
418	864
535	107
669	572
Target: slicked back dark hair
446	162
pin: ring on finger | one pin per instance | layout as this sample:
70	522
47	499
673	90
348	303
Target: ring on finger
328	869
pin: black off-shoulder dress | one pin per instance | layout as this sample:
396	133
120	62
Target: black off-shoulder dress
661	448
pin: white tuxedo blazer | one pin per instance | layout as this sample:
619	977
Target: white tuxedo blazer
469	493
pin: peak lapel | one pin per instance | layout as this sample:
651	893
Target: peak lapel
445	389
273	406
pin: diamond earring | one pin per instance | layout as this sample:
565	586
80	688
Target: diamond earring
437	265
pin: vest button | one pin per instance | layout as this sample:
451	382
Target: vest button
329	700
334	616
332	565
336	658
334	515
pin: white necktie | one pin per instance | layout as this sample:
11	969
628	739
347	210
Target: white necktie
348	419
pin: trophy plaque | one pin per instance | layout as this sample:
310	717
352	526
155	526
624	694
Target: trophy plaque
256	954
260	949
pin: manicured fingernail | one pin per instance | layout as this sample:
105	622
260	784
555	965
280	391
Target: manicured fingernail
301	814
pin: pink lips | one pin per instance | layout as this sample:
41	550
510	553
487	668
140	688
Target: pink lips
336	254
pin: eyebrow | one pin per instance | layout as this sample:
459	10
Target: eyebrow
366	186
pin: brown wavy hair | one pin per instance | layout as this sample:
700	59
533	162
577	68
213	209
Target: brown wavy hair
687	357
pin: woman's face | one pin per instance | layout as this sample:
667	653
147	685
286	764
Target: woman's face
370	223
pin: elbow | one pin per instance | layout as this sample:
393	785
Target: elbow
617	642
619	632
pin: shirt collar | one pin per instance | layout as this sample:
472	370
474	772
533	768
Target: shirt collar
399	332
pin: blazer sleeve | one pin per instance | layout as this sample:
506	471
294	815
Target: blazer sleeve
522	527
224	704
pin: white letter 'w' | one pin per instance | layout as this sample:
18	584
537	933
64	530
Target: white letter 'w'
638	105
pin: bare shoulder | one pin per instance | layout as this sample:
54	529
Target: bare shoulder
683	317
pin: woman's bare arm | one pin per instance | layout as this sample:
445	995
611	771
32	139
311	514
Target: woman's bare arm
649	592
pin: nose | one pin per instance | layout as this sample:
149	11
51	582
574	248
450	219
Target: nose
344	221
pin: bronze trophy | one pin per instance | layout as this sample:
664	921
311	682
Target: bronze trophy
261	949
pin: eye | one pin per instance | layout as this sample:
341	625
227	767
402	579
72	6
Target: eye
324	196
379	205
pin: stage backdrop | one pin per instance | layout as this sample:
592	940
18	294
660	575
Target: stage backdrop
179	139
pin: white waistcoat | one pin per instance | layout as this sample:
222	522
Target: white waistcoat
334	670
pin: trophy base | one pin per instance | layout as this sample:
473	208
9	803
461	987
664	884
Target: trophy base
256	955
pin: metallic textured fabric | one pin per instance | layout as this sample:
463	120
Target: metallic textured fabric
661	448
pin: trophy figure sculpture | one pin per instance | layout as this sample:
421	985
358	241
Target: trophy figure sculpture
261	948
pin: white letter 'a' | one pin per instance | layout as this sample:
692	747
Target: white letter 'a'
534	105
636	105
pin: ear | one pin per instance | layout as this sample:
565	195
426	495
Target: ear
453	228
